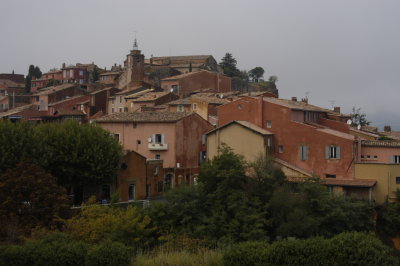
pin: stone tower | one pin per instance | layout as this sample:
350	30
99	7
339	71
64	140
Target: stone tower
135	67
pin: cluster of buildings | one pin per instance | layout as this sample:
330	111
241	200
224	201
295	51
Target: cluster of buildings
172	113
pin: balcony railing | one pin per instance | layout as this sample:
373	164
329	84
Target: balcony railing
158	146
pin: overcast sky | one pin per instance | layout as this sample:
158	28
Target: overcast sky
346	51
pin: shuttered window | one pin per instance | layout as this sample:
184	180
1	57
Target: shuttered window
332	152
303	152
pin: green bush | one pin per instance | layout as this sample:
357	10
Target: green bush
13	255
56	249
360	249
108	253
246	253
344	249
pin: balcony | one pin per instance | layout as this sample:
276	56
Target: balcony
158	146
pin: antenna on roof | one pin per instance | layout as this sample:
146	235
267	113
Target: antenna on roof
135	45
307	94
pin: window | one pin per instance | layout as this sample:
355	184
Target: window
81	81
180	108
103	77
397	179
280	148
121	109
120	99
204	139
368	156
71	74
330	176
175	88
269	123
138	141
194	106
330	189
158	156
362	156
81	73
112	110
116	136
303	152
131	192
112	101
158	139
375	156
64	73
332	152
395	159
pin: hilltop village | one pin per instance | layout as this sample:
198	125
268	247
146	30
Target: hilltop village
171	113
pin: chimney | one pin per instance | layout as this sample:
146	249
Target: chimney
294	99
151	60
336	109
304	100
63	65
387	128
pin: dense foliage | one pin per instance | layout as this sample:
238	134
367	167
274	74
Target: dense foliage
228	205
29	198
343	249
75	154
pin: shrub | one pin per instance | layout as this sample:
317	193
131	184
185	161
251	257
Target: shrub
55	249
108	253
360	249
246	253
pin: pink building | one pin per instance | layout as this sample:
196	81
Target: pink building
174	137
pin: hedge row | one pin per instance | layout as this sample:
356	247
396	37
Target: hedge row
343	249
60	250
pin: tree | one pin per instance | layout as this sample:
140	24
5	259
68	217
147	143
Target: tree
358	118
256	73
273	79
30	197
96	223
228	64
32	72
77	155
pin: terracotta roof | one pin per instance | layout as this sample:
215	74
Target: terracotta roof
53	89
101	90
17	78
69	99
134	90
184	101
151	96
246	125
336	133
364	132
18	109
209	99
296	105
348	182
151	117
61	112
381	143
183	75
135	95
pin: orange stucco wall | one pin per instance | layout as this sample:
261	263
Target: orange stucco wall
382	154
291	135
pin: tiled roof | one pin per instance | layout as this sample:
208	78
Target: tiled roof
348	182
151	96
150	117
209	99
135	95
18	109
134	90
62	112
109	73
184	101
297	105
70	99
245	124
53	89
364	132
182	75
381	143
